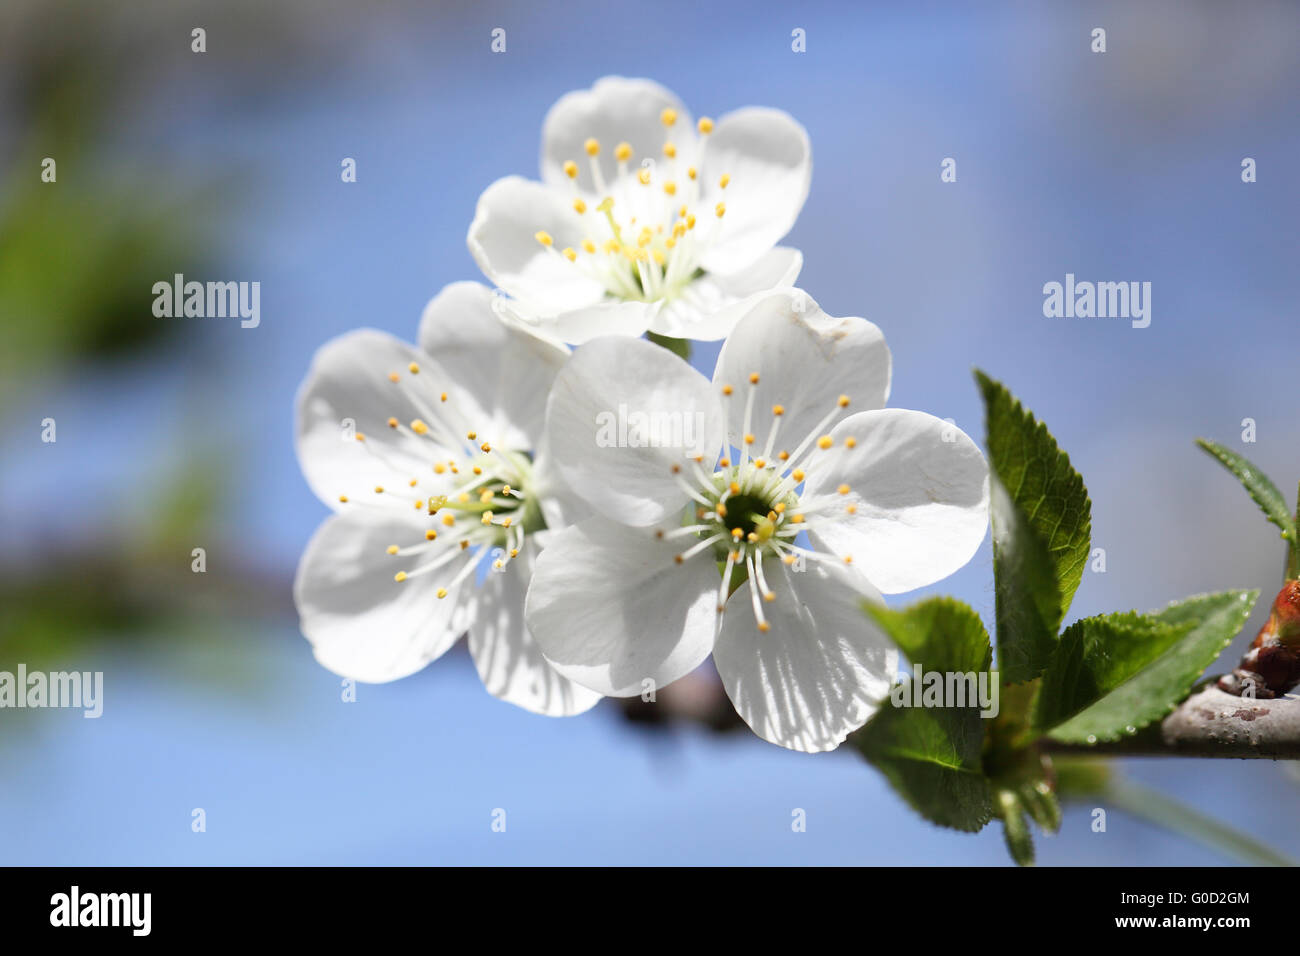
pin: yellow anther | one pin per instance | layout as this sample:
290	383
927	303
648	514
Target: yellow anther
471	435
464	544
769	596
764	626
413	482
724	462
379	489
749	439
644	177
442	397
778	410
392	423
760	463
497	565
571	169
394	377
393	549
721	510
514	552
670	150
690	222
487	517
852	509
399	577
690	171
736	533
623	152
788	559
588	245
842	489
797	474
670	188
678	559
796	519
753	378
848	559
442	593
844	401
449	520
486	448
505	523
734	487
705	125
722	183
658	256
727	390
439	469
825	442
419	505
544	237
592	147
668	117
431	535
343	499
419	427
783	455
361	436
415	369
780	508
752	537
720	209
570	254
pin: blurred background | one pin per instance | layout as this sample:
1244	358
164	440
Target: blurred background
174	434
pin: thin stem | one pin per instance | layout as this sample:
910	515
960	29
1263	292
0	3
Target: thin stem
1154	807
679	347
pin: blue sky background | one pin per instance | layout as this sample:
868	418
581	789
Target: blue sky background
1120	166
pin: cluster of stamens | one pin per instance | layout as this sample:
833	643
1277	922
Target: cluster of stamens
752	506
653	252
477	497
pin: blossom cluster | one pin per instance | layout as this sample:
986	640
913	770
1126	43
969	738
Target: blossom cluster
745	516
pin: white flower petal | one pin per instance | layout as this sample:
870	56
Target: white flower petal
768	158
921	489
503	241
806	360
610	397
610	317
361	622
506	371
615	110
709	308
611	610
508	660
348	382
821	670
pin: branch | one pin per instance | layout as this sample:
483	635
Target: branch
1210	723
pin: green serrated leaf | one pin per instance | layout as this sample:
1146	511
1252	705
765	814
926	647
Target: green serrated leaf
1042	523
1258	485
1095	656
1132	668
931	755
